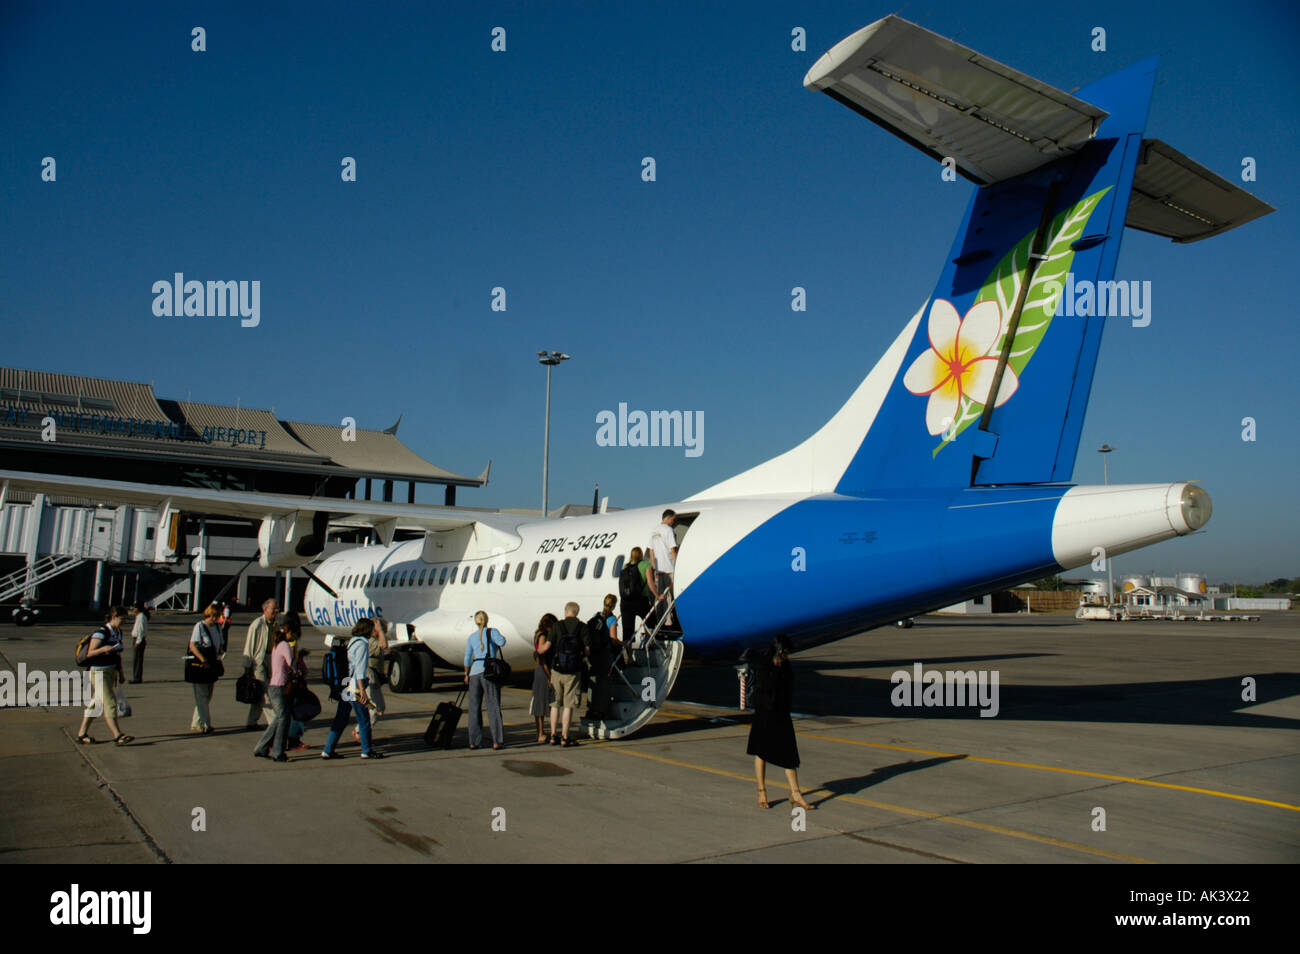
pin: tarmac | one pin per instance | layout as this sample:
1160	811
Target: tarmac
1113	742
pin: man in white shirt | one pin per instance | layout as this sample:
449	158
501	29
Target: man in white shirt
662	554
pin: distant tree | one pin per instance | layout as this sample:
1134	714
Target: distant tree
1280	585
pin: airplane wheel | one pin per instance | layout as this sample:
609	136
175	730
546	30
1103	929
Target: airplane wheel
400	672
425	670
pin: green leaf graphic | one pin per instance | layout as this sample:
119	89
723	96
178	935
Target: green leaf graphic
1003	287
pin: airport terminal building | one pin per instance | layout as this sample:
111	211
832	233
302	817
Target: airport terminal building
81	552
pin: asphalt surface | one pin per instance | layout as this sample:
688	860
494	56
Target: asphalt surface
1114	742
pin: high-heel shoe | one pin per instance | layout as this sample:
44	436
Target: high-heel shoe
762	798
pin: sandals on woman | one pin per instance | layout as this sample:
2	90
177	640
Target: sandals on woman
762	798
124	740
86	740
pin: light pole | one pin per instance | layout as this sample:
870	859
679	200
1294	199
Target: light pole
550	359
1103	450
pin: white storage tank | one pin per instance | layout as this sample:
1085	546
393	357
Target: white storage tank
1133	582
1095	587
1192	583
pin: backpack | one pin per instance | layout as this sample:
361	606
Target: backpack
83	647
630	584
334	670
598	633
568	653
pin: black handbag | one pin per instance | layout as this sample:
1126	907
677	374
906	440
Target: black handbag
195	671
249	689
304	705
495	669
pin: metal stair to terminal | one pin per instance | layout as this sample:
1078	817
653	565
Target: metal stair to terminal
46	568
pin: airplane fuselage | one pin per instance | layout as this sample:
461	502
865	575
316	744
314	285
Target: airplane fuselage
814	568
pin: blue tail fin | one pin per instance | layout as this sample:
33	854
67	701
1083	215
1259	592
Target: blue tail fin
990	327
988	383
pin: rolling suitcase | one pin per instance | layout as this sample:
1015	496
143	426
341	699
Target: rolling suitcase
442	727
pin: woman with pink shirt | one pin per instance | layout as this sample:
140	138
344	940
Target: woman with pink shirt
277	691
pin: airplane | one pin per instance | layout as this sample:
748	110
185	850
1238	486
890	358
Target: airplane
945	475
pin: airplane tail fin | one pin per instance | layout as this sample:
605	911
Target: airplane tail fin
989	382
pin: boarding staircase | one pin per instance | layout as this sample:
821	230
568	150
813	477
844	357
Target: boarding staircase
46	568
643	680
176	596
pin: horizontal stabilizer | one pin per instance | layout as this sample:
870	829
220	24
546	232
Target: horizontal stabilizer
948	100
1182	200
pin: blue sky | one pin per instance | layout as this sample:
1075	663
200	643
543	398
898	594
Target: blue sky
522	170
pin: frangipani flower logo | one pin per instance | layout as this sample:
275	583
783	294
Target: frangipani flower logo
957	369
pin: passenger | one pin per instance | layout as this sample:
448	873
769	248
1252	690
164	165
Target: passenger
568	647
355	697
634	595
226	618
139	629
483	644
378	646
105	657
541	700
277	690
605	648
291	626
257	646
206	644
771	735
663	558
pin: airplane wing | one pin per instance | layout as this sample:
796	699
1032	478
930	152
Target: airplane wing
285	517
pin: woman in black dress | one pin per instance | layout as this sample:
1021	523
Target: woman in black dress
771	734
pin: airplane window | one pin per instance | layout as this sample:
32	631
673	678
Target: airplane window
564	570
383	580
452	579
519	572
532	574
618	567
442	577
401	578
465	576
420	582
600	565
550	565
582	567
491	572
478	571
505	571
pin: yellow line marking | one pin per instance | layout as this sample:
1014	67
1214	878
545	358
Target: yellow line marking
901	809
1056	768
